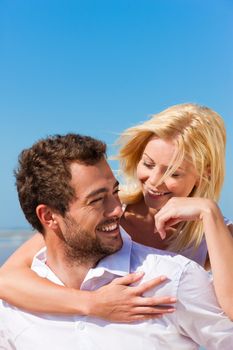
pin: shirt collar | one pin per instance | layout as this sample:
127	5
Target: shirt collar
115	264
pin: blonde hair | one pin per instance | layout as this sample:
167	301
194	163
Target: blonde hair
200	137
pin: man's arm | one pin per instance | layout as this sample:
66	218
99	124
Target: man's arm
198	314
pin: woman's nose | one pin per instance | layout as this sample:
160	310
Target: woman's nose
154	177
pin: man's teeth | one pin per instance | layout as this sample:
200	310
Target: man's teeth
108	228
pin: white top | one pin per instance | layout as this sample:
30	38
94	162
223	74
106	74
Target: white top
197	320
200	253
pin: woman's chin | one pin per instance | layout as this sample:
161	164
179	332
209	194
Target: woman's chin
155	202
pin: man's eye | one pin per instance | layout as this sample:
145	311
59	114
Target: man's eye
96	200
116	191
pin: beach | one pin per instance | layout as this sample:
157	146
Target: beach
10	240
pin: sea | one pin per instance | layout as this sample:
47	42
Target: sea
11	239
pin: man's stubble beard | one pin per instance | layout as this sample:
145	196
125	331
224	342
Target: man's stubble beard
81	247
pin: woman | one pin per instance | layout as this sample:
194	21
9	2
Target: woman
176	172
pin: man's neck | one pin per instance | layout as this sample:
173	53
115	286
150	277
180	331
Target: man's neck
71	273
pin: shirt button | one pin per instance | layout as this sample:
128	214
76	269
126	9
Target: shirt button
80	326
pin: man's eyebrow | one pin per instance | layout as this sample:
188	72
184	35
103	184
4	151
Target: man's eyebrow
100	190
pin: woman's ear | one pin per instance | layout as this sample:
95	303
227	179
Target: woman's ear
46	216
208	172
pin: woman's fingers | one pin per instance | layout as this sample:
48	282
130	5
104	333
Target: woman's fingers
179	209
143	288
174	211
153	304
120	301
135	277
153	310
148	285
128	279
141	313
163	222
142	317
158	303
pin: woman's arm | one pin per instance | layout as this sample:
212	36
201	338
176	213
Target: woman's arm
117	301
219	240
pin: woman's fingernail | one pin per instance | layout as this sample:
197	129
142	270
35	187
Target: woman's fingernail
163	278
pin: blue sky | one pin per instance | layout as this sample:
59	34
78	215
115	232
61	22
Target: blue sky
97	67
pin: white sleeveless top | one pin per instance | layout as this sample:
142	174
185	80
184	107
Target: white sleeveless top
199	255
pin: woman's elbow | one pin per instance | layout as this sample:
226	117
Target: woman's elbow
229	313
227	307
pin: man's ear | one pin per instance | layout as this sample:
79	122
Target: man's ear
46	216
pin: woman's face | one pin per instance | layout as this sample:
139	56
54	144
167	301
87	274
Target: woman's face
154	162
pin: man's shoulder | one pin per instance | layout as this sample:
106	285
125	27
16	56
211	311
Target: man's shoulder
176	268
158	254
142	252
160	261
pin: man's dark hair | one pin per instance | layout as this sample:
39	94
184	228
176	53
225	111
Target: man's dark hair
43	175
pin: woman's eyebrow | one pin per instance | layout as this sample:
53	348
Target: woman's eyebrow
167	167
148	156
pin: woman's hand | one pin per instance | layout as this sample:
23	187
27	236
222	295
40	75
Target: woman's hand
120	302
179	209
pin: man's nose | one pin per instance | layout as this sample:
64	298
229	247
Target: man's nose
114	208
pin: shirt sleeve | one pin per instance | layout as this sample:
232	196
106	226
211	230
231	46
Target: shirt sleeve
198	314
227	221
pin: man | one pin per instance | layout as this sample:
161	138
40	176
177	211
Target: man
68	192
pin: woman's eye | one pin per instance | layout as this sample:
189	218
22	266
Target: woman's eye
148	165
175	175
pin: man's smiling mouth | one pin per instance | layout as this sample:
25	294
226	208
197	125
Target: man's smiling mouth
108	226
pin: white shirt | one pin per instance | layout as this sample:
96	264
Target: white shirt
197	320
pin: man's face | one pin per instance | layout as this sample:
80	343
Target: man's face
90	228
